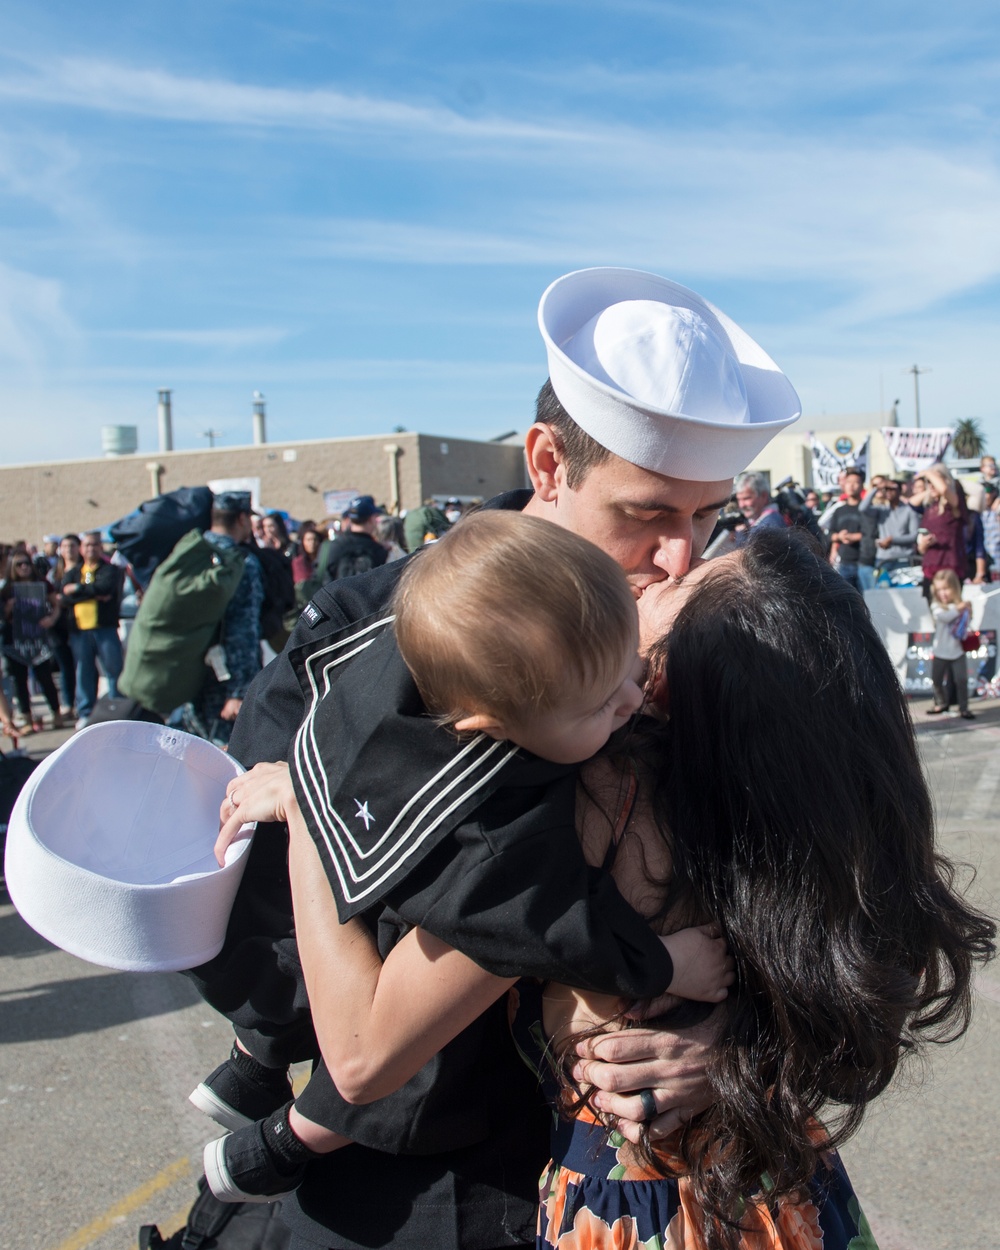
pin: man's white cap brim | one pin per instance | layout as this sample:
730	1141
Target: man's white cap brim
109	848
659	376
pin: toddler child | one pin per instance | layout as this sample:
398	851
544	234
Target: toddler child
951	620
519	630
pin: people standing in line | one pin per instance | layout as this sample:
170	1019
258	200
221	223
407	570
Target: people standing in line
94	591
896	543
275	533
68	558
987	478
389	532
355	549
847	528
453	510
991	531
304	565
30	609
753	498
424	525
222	695
950	611
278	612
991	541
977	559
942	544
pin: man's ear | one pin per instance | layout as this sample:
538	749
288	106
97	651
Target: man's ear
544	457
481	723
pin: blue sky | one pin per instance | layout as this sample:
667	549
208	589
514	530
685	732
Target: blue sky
354	207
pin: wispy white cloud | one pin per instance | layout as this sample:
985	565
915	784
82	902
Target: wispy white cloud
880	231
33	321
114	88
235	339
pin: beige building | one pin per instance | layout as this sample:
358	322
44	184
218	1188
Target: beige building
790	454
399	470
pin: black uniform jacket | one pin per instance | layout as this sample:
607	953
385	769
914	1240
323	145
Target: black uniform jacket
501	877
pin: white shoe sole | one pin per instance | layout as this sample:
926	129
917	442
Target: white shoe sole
221	1183
209	1103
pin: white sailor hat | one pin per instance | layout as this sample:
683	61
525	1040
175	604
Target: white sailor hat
109	848
660	377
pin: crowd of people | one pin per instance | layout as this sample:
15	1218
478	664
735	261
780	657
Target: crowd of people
531	879
67	605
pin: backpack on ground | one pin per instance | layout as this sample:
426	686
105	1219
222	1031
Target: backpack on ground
215	1225
148	535
352	563
177	622
108	708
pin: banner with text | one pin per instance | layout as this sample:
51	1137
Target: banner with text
827	465
912	450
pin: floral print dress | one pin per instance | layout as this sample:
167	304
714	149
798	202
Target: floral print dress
592	1196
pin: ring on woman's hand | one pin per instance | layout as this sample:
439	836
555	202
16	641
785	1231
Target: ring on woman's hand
234	801
649	1111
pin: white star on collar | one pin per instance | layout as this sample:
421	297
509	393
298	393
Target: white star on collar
364	814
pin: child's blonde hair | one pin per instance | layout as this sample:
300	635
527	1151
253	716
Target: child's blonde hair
506	614
949	578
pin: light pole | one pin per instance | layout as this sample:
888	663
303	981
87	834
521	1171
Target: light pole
917	371
211	435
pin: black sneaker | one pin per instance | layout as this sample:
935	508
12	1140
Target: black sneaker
231	1097
240	1168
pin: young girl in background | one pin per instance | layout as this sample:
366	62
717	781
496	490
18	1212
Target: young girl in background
948	608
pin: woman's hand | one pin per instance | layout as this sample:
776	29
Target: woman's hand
265	793
670	1065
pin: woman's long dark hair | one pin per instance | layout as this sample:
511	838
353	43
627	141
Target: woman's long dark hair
798	817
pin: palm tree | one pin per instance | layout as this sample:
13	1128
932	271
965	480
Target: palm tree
968	441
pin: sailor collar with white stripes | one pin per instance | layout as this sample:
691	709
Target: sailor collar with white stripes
379	782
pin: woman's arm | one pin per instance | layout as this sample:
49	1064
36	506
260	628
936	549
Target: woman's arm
377	1023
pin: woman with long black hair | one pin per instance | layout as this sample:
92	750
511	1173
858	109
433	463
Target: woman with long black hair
777	794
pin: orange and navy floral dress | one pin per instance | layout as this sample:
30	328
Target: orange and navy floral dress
593	1196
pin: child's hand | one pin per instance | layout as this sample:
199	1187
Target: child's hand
703	967
263	794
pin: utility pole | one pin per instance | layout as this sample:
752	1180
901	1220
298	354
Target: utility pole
917	371
211	435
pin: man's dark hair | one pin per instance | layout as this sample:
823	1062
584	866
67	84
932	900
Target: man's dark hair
226	518
854	473
580	453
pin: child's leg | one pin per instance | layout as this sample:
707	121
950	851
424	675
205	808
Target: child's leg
241	1091
320	1140
937	681
960	676
267	1160
256	981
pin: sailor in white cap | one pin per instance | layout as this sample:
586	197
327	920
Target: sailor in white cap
655	400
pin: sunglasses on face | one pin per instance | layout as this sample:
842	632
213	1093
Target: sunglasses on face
22	564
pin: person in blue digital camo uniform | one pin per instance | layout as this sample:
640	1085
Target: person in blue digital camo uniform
215	712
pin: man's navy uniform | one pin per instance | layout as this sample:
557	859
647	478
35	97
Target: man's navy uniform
491	864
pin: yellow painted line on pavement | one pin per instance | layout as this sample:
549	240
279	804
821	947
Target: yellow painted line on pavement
114	1215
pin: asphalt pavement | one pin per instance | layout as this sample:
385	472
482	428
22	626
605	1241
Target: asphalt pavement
96	1066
